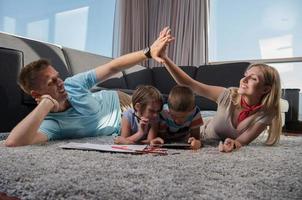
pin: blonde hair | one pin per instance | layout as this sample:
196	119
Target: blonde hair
270	101
144	94
181	99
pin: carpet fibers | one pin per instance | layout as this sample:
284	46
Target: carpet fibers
253	172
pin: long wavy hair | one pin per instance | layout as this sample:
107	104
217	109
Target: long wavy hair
270	101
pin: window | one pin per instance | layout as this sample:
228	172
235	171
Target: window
83	25
249	30
257	30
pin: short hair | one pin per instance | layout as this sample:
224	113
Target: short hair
181	99
145	94
28	75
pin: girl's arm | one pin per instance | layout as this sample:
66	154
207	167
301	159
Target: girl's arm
207	91
125	133
152	134
126	136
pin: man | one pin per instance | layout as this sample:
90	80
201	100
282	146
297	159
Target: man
68	109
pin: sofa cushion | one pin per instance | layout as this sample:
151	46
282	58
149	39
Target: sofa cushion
138	75
225	75
34	50
11	109
164	81
81	61
117	81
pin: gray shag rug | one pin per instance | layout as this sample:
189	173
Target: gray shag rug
253	172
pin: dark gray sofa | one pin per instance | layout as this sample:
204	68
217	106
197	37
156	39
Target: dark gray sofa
15	52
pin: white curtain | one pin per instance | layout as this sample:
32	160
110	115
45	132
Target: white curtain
138	23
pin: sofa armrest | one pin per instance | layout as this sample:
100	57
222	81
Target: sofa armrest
284	106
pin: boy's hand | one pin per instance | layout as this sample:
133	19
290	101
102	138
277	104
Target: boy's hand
229	145
157	140
195	144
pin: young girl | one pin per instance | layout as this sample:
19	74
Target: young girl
140	123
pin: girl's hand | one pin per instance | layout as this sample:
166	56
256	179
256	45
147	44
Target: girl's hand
143	124
195	144
122	140
156	141
229	145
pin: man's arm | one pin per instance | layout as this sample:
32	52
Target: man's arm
103	72
121	63
26	132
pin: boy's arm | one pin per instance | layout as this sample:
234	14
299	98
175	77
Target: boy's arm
194	139
195	133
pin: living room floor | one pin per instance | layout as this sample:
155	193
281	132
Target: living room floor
253	172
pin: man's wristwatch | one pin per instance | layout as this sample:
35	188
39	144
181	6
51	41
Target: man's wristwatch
147	52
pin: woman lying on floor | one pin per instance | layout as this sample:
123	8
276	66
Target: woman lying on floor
243	113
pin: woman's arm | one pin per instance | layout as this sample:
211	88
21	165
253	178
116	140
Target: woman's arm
250	134
244	139
207	91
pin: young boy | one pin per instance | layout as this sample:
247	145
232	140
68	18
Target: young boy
180	119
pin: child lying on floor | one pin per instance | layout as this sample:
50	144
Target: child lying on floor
180	119
140	123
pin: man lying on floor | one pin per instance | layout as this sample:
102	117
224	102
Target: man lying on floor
68	109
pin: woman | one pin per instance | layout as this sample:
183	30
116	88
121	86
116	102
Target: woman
243	113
